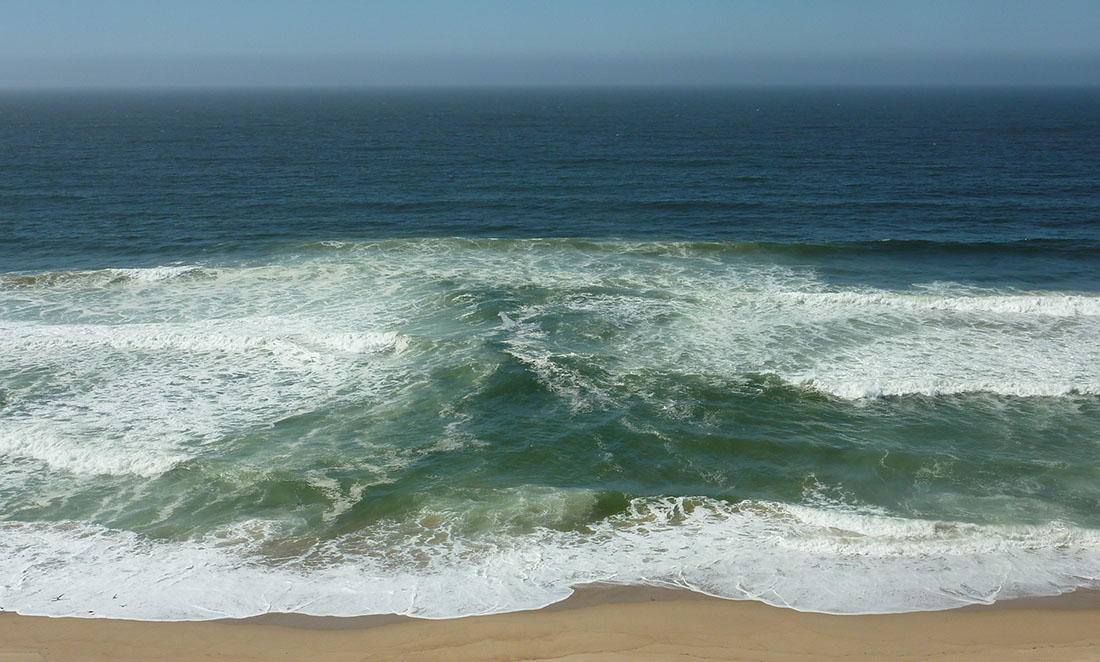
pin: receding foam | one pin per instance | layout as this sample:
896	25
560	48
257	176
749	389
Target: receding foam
806	558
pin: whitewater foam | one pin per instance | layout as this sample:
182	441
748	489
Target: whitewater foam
141	398
63	448
99	277
806	558
850	345
861	344
1054	304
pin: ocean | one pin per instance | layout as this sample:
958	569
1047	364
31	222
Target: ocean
454	352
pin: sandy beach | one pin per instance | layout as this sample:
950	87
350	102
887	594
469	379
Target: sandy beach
596	624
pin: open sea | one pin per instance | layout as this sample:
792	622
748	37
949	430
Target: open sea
443	353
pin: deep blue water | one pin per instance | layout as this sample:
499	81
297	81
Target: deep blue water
89	178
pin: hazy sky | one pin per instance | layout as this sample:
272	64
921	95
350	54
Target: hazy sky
333	42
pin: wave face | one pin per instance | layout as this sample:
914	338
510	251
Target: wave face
441	427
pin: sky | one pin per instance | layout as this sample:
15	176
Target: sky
60	43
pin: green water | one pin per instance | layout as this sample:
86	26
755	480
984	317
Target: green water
432	406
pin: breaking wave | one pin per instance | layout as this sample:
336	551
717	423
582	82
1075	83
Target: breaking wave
806	558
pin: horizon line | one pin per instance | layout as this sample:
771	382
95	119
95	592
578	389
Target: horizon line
578	86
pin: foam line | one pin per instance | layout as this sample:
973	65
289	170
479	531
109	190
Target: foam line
807	558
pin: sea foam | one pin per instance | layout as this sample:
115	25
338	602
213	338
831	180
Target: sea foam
806	558
141	398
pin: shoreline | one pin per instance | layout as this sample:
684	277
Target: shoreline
596	623
594	595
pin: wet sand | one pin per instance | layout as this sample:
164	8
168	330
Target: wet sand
605	623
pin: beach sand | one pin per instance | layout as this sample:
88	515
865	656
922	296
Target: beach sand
607	624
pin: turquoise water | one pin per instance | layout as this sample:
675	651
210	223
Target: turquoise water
880	407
